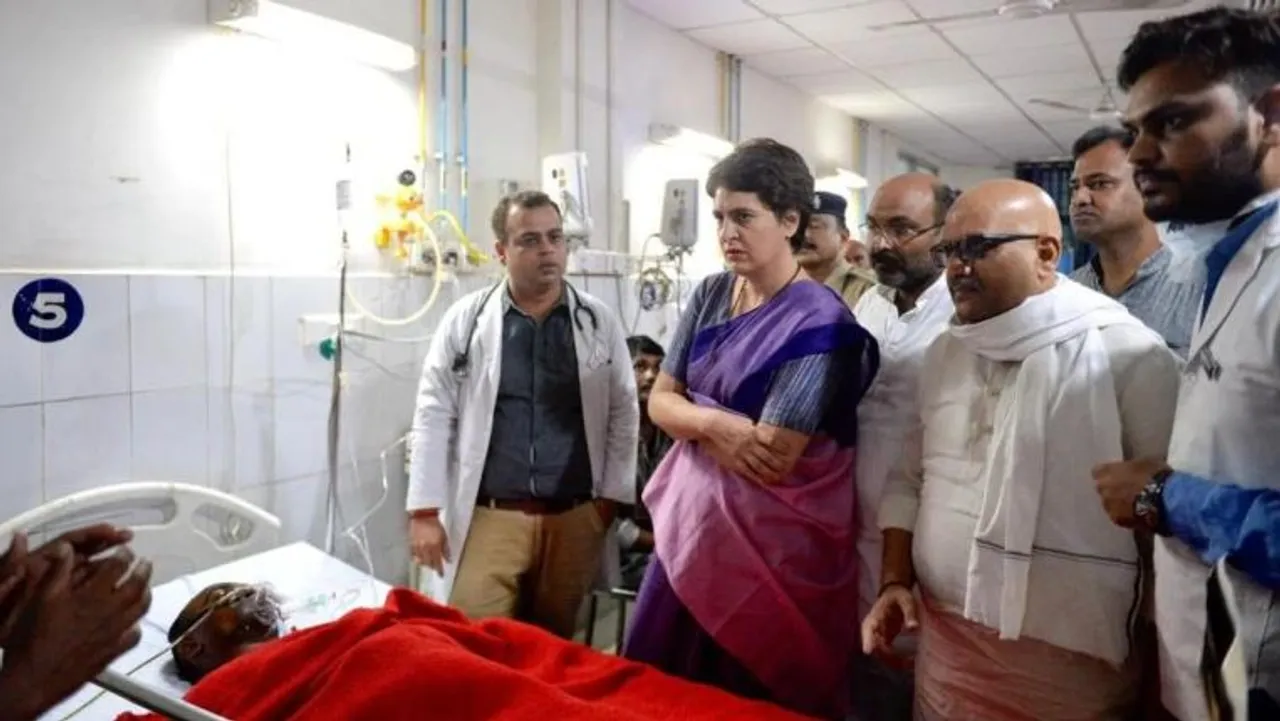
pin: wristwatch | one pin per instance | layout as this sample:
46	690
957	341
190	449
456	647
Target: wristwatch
1148	506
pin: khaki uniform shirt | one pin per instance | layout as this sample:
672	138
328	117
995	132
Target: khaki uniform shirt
850	282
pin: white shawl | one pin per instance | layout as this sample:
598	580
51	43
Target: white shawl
1046	562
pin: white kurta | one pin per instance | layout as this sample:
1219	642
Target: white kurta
888	410
964	670
1227	430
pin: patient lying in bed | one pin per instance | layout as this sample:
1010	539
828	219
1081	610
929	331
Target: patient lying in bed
220	624
414	659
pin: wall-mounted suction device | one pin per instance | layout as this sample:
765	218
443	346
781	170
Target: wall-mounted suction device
680	216
564	178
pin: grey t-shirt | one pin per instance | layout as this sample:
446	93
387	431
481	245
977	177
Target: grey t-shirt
1164	294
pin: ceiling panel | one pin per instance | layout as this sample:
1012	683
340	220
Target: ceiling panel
877	107
919	125
1070	57
1066	131
1038	86
876	52
1013	130
842	82
929	134
943	97
835	26
682	14
1118	24
976	115
943	8
795	7
749	38
1046	115
998	35
1108	53
927	74
976	157
1040	151
786	63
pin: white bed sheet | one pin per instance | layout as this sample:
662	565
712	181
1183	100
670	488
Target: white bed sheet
316	588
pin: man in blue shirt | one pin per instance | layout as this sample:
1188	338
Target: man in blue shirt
1204	120
1130	264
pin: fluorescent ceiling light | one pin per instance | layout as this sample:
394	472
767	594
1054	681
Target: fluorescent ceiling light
280	22
846	178
689	140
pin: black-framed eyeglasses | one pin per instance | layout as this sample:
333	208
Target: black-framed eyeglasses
972	248
899	233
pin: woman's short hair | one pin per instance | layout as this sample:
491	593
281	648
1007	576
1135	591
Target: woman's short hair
774	172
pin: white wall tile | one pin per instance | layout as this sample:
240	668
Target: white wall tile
86	444
298	503
171	435
242	439
20	382
301	428
22	448
94	361
238	315
167	332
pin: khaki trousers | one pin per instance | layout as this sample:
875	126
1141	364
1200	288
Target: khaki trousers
534	568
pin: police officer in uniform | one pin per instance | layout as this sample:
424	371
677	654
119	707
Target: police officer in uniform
822	252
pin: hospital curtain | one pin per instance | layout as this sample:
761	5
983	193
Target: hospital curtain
1054	177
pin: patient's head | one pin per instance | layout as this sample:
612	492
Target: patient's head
221	623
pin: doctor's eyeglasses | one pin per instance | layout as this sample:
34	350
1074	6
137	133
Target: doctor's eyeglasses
973	248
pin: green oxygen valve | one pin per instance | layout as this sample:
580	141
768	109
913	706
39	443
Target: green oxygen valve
329	347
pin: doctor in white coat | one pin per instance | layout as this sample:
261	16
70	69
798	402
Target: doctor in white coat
524	436
1204	106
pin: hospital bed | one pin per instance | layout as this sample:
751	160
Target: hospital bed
195	537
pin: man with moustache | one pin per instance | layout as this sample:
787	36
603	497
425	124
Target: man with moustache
857	255
1204	114
1131	265
524	435
635	527
905	313
1026	591
820	252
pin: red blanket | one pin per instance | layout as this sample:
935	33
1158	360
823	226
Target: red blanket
414	659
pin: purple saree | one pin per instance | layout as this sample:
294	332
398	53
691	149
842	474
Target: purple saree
754	589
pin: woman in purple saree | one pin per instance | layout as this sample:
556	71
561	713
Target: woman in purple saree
754	584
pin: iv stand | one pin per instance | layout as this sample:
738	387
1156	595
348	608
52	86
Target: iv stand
152	700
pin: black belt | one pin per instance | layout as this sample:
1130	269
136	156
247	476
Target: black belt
532	506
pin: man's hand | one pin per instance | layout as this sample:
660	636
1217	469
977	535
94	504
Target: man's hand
893	613
644	542
1120	483
428	543
70	632
607	509
21	568
13	574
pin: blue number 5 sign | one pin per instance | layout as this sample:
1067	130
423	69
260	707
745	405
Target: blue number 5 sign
48	310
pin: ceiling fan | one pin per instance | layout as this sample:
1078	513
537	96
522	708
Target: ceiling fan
1104	112
1027	9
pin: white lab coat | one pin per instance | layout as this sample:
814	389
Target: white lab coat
454	418
1226	430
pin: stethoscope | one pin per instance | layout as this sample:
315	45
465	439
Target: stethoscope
462	359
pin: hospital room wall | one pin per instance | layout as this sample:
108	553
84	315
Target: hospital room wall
181	179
